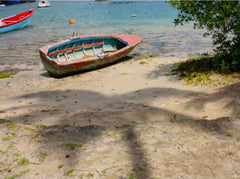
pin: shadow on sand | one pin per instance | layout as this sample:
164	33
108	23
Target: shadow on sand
74	117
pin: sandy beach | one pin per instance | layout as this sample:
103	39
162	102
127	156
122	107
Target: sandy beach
129	120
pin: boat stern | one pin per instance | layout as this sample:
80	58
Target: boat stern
132	40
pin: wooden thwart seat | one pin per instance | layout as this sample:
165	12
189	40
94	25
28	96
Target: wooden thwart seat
74	48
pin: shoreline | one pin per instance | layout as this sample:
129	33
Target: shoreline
127	119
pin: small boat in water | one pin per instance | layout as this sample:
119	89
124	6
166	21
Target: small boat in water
86	52
43	3
16	1
17	21
10	1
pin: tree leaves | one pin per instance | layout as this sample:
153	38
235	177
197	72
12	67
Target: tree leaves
220	18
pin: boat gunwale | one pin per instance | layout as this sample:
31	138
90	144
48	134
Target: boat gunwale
45	49
59	68
89	59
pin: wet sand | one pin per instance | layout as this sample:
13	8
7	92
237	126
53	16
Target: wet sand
128	120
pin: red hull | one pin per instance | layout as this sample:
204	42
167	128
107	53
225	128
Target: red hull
8	21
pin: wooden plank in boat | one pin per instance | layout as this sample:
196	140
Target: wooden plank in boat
74	48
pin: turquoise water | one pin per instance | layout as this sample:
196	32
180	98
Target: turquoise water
153	21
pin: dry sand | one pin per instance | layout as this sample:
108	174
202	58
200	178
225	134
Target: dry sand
128	120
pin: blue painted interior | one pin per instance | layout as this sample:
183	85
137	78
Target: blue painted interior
110	44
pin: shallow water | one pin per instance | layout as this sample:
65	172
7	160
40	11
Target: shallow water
153	21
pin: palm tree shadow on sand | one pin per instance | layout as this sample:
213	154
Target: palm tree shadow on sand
74	121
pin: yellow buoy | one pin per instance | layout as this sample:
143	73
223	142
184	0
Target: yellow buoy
71	21
134	15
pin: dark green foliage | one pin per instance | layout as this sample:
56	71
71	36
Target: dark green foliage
220	63
5	75
221	19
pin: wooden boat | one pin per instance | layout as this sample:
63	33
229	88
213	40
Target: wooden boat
43	3
86	52
16	1
10	1
15	22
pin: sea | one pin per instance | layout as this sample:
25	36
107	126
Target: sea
153	21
